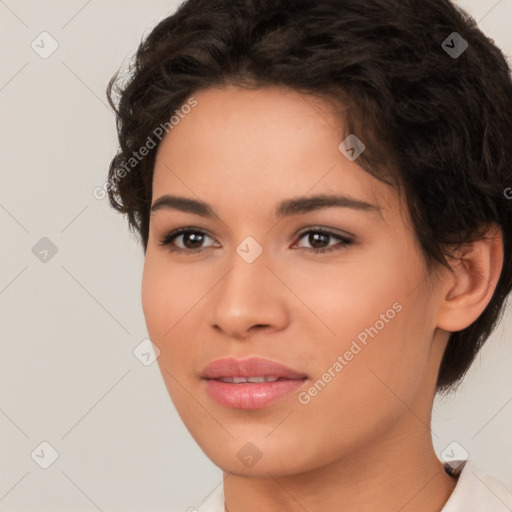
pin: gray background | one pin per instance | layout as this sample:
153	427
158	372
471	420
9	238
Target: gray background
68	374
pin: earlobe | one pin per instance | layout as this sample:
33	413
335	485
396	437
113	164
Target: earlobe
469	288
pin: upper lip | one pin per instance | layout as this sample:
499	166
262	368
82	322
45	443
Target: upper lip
251	367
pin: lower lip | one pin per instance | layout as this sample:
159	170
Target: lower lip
250	395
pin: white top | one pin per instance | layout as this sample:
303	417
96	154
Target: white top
474	492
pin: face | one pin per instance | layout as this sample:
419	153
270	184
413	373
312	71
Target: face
334	290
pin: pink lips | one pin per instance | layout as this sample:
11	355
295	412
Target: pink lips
279	381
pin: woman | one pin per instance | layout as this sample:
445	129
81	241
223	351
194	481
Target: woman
319	190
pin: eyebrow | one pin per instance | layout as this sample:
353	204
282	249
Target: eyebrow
286	208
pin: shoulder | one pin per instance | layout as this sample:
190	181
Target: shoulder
478	492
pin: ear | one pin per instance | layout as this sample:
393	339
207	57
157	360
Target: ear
469	287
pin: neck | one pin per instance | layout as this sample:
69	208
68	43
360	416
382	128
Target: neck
395	475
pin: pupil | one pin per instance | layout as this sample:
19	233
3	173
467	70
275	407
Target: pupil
315	238
194	238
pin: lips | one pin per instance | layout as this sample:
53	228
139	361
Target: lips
250	383
252	367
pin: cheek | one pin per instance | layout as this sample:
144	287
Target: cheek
168	298
155	302
372	387
167	294
371	319
347	298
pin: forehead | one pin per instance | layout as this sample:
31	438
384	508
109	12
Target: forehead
265	143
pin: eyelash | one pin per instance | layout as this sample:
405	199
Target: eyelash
170	237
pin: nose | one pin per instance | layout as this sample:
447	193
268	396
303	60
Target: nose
248	299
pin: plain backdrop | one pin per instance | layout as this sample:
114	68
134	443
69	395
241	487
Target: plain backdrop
70	278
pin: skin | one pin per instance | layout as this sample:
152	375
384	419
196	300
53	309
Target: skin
364	442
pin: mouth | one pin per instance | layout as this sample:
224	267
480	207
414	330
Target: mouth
252	380
251	383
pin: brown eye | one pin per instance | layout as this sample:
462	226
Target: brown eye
192	239
185	240
319	240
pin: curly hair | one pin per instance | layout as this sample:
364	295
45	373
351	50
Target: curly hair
436	124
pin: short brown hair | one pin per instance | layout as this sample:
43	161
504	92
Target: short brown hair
436	123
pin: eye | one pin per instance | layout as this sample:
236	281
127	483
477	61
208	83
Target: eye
191	240
319	239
